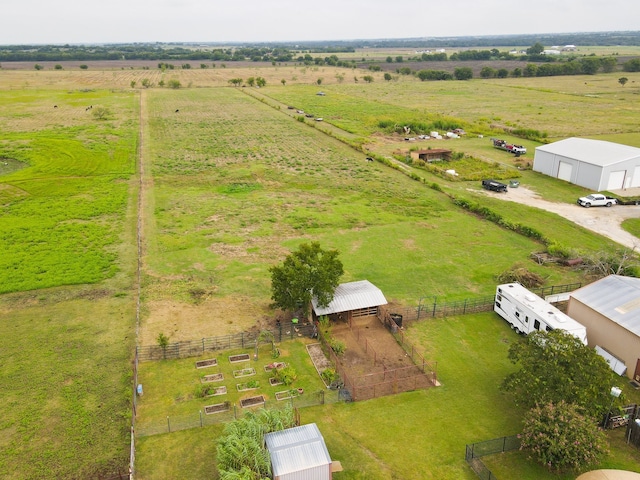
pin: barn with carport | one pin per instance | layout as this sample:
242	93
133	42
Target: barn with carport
351	301
594	164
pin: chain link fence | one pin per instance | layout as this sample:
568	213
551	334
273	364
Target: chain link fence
477	450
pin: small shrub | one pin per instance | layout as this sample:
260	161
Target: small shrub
286	375
337	346
328	375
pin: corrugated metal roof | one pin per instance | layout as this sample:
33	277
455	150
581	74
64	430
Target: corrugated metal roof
616	297
594	152
296	449
352	296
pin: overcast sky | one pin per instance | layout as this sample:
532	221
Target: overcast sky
122	21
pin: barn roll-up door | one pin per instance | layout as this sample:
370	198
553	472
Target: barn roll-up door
564	171
616	180
635	180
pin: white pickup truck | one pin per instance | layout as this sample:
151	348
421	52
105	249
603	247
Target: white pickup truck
596	200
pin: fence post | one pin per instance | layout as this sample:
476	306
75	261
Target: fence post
202	344
168	424
200	417
435	302
464	309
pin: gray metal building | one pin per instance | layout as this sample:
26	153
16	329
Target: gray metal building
610	310
299	453
594	164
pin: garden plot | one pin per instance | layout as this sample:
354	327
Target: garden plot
245	372
252	401
213	362
214	377
244	357
217	408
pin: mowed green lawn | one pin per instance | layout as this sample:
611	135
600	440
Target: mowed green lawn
413	436
68	243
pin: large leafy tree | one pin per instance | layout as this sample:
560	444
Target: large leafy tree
554	367
308	272
561	438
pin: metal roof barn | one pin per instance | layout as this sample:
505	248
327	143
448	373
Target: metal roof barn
616	297
299	453
352	296
610	310
594	164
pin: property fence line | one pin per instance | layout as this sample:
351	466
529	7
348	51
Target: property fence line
477	450
429	306
234	411
193	348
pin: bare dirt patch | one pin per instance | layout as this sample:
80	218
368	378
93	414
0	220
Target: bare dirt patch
213	317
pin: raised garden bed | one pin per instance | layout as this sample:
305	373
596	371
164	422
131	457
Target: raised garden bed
274	381
274	366
284	395
214	377
211	391
245	372
244	357
207	363
252	401
243	387
217	408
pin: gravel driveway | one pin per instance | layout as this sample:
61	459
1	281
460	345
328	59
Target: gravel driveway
602	220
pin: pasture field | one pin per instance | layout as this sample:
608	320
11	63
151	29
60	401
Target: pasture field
585	106
230	186
237	184
68	252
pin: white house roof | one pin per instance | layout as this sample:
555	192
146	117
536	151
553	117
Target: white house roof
616	297
296	449
594	152
352	296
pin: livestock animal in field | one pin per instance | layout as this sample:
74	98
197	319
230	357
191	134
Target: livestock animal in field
177	110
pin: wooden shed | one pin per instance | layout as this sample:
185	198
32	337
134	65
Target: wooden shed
431	155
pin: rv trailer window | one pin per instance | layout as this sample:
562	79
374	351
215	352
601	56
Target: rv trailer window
536	324
549	329
499	297
498	305
526	319
518	314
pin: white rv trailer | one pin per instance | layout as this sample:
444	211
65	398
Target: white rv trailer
526	312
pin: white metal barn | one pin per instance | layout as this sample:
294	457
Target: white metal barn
593	164
352	300
299	453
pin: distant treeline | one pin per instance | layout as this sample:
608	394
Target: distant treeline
629	38
26	53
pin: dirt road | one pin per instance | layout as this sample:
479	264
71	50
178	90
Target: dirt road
602	220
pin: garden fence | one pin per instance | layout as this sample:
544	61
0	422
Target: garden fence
201	419
193	348
477	450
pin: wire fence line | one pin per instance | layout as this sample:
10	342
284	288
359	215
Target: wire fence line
227	412
194	348
430	306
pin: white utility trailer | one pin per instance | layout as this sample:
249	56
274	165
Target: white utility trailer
525	311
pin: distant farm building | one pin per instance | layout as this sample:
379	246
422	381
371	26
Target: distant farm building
299	453
594	164
432	155
352	300
610	310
